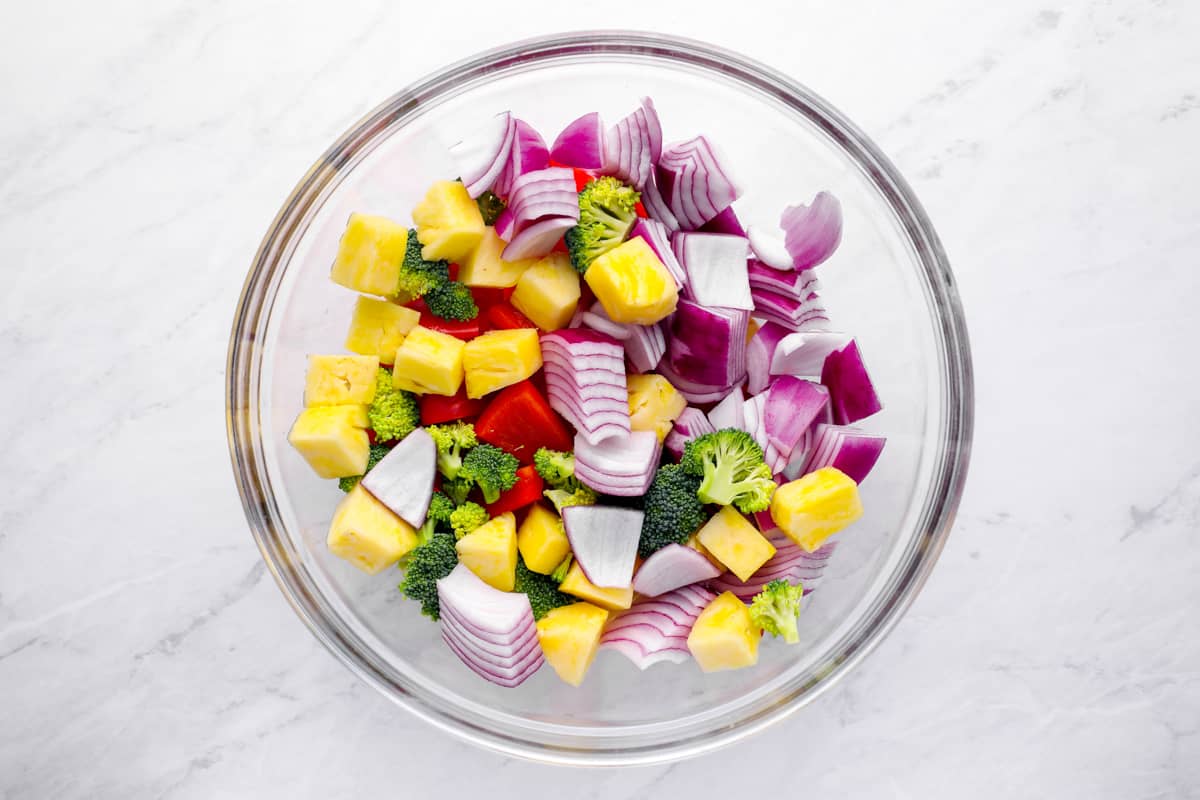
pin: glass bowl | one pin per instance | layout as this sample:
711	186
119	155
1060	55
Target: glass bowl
889	284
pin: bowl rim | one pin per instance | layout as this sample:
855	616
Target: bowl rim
243	370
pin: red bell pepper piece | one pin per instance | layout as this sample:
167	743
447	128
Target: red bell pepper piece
560	246
526	490
520	421
503	317
488	296
453	269
436	408
640	210
466	330
582	178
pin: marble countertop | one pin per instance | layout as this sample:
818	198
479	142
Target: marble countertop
145	651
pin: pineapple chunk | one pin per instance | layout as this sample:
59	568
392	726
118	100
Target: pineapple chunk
548	292
735	542
490	551
340	380
484	267
570	638
576	583
429	362
500	358
332	439
813	508
541	539
378	328
723	636
369	255
368	535
654	404
448	222
752	328
632	284
694	543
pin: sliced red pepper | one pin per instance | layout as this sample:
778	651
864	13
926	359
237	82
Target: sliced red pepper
640	210
488	296
466	330
582	178
503	317
526	490
560	246
453	271
520	421
436	408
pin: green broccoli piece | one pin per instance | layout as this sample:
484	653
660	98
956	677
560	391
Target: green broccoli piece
458	489
562	498
378	451
467	518
394	413
490	207
560	572
558	470
491	469
451	300
673	511
731	465
418	276
775	609
607	211
428	564
438	516
451	440
542	590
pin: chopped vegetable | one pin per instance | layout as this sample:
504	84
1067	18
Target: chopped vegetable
490	207
793	406
716	268
451	441
503	317
657	629
437	409
528	154
491	469
540	195
451	300
393	413
673	511
759	352
691	424
852	396
519	420
622	466
726	222
604	540
426	565
633	146
492	632
418	276
670	568
769	249
377	452
542	590
775	609
606	215
850	450
467	518
694	183
437	518
481	157
706	344
527	489
812	232
581	143
403	479
585	382
732	469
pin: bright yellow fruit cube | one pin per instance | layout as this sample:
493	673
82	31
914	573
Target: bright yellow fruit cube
490	551
570	638
340	380
654	404
368	535
332	439
378	328
632	284
576	583
548	292
485	267
694	543
723	636
448	222
500	358
541	539
735	542
429	362
369	255
813	508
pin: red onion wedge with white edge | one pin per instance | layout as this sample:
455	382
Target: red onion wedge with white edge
690	424
538	239
670	568
403	479
769	249
491	631
793	407
604	540
812	232
850	450
694	182
581	143
527	154
852	395
632	147
803	354
482	157
716	268
622	466
656	629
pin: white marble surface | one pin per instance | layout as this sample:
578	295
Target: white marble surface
144	652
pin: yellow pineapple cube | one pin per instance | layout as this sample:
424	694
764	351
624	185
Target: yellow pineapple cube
490	551
723	636
368	535
694	543
429	362
654	404
484	267
500	358
448	222
735	542
632	284
570	638
332	439
813	508
541	539
340	380
576	583
548	292
369	255
378	328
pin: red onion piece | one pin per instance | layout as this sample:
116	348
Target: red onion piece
489	630
645	347
597	319
505	225
793	407
759	353
632	146
538	239
604	540
728	413
692	392
792	314
852	395
656	629
812	232
804	354
707	344
850	450
481	158
691	424
801	286
656	205
726	222
658	236
790	563
670	568
585	381
581	143
403	479
694	184
716	268
528	154
769	249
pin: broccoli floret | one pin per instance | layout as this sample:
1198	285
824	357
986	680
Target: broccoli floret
731	465
438	516
458	489
378	451
673	511
564	566
418	276
427	565
394	413
775	609
555	466
562	498
451	300
542	590
467	518
490	468
451	440
607	210
490	207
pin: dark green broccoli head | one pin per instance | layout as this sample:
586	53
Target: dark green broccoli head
418	276
490	207
458	489
607	211
451	300
555	466
542	590
467	518
673	511
378	451
437	518
451	439
394	413
775	608
491	469
426	565
732	470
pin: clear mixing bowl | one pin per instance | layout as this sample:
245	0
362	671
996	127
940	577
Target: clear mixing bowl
889	284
